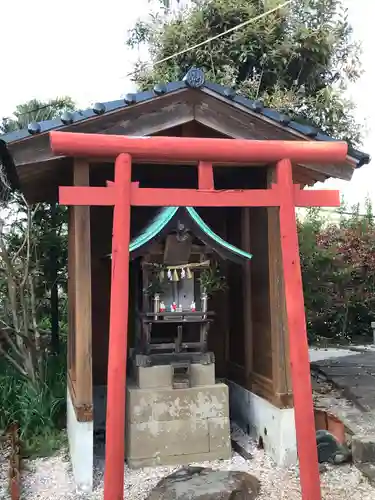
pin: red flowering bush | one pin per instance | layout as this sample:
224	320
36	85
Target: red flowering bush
338	271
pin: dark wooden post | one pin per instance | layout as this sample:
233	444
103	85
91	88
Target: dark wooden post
248	323
279	328
82	292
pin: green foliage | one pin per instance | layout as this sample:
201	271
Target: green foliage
33	280
40	411
338	269
36	110
49	233
298	60
212	280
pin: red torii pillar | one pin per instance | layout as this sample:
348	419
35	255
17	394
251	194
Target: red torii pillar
123	194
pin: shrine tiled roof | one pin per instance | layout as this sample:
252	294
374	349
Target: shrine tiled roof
161	223
194	79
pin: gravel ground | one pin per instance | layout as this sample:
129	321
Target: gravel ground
51	478
4	452
48	478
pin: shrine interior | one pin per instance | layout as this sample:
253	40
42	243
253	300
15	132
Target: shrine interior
235	312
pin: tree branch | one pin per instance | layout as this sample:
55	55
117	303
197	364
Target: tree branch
13	362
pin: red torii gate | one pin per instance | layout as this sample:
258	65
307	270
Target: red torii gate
123	194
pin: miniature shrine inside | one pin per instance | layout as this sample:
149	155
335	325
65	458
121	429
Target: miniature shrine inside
178	256
179	272
185	295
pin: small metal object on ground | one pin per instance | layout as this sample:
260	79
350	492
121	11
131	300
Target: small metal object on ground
241	442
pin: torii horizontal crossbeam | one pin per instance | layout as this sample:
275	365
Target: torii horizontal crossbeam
193	149
101	196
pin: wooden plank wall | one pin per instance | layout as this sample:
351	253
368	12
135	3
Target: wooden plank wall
235	304
258	356
247	297
261	327
248	337
217	337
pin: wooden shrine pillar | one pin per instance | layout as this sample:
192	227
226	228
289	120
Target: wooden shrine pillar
80	331
281	379
248	323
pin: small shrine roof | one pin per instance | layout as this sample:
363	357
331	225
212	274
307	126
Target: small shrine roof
162	223
30	165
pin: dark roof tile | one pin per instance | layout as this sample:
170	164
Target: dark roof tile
193	79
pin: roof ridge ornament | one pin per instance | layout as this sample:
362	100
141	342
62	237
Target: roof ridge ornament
34	128
130	98
160	88
67	118
194	78
99	108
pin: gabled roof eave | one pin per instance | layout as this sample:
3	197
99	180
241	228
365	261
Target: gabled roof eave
193	80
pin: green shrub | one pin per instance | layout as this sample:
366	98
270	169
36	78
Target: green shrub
338	271
39	410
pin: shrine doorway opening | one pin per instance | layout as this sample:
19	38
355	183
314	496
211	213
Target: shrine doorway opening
243	359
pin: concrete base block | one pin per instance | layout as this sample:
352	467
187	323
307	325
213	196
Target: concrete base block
177	426
154	376
259	418
81	448
161	376
201	375
138	463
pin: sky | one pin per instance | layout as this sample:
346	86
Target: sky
77	48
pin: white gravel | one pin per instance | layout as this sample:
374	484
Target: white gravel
51	478
4	469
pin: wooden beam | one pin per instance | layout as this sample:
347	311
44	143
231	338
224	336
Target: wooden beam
298	345
281	380
196	148
316	198
82	196
118	335
248	324
205	175
82	279
83	412
170	197
196	198
206	197
71	295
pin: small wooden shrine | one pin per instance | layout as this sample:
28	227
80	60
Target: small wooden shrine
171	363
180	272
204	162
